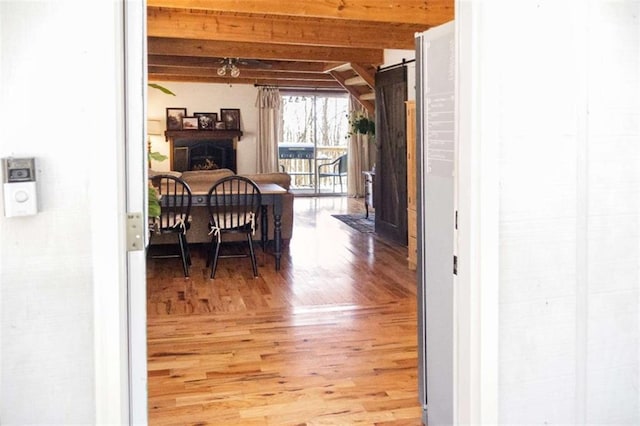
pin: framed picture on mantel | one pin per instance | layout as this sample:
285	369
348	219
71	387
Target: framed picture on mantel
231	118
174	118
189	123
206	120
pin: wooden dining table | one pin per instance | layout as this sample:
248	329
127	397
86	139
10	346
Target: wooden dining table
271	195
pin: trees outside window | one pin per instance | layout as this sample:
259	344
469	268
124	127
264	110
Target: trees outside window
317	122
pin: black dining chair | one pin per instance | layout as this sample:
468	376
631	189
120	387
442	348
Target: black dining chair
175	213
335	169
234	206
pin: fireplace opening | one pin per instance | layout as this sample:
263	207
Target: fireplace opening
204	155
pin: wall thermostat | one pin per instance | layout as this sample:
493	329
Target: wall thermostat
19	189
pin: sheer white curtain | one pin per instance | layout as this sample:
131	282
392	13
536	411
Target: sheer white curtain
360	155
269	104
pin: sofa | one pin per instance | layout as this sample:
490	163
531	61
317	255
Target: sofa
201	180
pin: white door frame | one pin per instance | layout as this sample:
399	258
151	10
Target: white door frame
476	294
135	19
120	296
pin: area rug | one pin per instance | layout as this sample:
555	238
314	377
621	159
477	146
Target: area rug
358	221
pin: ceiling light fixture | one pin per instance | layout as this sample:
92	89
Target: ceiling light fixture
229	65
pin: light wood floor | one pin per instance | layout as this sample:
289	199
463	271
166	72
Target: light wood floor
328	340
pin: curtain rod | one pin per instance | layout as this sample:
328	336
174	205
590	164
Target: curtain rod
295	89
399	64
306	89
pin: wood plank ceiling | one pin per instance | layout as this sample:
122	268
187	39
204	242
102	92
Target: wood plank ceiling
315	44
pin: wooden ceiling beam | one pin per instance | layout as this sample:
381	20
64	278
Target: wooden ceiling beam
428	13
240	80
362	71
194	61
244	72
228	49
367	104
194	24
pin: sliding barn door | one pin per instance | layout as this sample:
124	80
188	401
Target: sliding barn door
391	162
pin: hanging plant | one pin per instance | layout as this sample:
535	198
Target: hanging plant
361	124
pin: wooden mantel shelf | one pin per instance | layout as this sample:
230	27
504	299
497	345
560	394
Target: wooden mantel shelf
170	135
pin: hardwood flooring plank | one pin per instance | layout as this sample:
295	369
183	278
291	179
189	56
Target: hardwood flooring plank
330	339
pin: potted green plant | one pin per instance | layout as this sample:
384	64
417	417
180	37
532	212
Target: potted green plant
161	88
153	207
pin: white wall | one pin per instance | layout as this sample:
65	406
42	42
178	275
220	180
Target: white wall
59	102
558	101
205	97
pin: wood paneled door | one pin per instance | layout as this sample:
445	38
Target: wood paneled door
391	163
